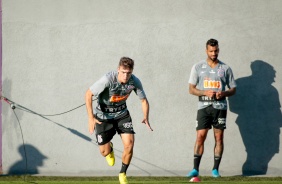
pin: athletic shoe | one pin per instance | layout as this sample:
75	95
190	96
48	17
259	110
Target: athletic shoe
193	173
215	173
111	156
122	178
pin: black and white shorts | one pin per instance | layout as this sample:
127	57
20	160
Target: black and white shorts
108	128
211	117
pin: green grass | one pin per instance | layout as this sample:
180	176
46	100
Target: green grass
135	180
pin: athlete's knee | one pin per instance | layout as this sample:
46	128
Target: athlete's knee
219	138
128	141
129	146
104	152
202	135
219	141
200	139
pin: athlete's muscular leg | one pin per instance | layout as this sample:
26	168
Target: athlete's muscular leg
218	136
128	144
105	149
200	140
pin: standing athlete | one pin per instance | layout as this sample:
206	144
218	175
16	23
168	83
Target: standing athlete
111	114
208	80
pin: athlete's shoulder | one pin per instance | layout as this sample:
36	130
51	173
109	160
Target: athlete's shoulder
111	75
134	78
200	64
135	81
223	64
227	69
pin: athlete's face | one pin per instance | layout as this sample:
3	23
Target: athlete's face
124	74
212	52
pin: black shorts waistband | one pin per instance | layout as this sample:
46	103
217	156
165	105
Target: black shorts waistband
112	108
209	99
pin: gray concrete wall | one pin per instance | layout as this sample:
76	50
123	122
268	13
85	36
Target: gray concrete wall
54	50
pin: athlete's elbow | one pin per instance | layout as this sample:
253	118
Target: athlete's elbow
191	91
232	92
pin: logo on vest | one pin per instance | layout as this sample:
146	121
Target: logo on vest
220	72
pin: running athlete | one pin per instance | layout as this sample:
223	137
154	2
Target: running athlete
208	80
111	114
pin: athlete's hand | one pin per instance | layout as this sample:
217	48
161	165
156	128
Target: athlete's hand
145	121
91	124
209	93
219	94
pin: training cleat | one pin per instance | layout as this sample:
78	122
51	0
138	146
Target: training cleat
122	178
193	173
111	157
215	173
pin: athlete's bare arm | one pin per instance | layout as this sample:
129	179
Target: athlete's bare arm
145	109
194	91
91	119
227	93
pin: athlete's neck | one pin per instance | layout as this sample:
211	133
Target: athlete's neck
212	63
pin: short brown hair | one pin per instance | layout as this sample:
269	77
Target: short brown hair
126	62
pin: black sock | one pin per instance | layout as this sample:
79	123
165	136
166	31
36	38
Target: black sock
197	160
217	160
123	168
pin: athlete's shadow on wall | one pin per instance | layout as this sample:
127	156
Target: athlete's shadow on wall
31	160
259	117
